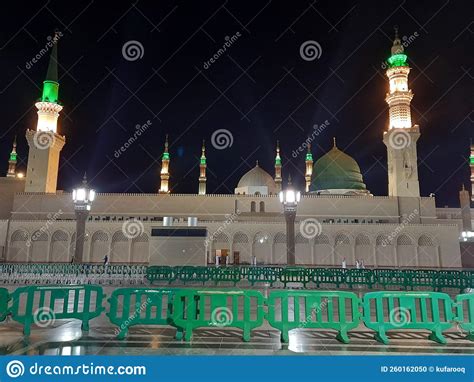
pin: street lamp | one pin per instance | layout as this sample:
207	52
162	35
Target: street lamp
290	199
82	196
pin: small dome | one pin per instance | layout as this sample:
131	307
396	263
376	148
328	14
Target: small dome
337	172
258	177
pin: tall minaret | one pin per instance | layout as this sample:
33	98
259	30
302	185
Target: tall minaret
45	144
401	136
471	163
278	168
165	174
309	168
202	170
12	161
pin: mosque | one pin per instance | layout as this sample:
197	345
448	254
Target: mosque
337	217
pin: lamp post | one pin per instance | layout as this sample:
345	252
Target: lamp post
290	199
82	196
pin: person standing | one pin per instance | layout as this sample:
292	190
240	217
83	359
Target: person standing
344	263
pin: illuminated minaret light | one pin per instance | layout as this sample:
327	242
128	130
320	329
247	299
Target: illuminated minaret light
45	144
309	168
202	170
278	179
165	174
401	136
12	161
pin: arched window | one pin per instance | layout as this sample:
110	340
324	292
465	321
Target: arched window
252	207
262	206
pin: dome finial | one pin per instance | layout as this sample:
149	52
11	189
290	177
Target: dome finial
334	141
256	163
397	46
84	178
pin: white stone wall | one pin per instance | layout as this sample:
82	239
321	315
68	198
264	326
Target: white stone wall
412	245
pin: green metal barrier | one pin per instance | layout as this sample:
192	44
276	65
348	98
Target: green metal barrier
391	277
160	273
140	306
398	310
289	310
295	275
450	279
225	274
266	275
241	309
4	298
188	274
465	313
327	276
43	305
421	278
360	277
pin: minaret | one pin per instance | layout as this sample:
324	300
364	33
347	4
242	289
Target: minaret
401	136
278	168
45	144
309	167
202	171
12	161
165	174
471	163
465	204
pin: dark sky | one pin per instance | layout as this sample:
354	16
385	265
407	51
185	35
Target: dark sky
260	89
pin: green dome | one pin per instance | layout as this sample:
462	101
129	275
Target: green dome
337	171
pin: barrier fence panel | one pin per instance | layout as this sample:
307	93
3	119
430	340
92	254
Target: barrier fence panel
391	277
225	274
385	311
187	274
465	313
421	278
449	279
43	305
360	277
295	275
241	309
4	298
267	275
289	310
160	273
140	306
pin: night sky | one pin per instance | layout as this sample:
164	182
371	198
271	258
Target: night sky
260	89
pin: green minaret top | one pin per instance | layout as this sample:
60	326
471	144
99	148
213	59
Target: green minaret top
203	152
309	156
13	154
51	84
398	57
278	158
166	154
